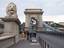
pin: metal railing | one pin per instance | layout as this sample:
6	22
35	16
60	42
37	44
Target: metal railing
51	39
49	28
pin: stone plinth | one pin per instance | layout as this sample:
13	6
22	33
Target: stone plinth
11	27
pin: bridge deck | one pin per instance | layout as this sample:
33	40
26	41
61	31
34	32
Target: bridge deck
26	44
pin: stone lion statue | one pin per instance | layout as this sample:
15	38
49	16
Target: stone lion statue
11	10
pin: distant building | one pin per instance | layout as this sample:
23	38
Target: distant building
61	23
61	28
48	22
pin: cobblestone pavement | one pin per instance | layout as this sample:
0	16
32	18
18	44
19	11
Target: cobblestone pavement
26	44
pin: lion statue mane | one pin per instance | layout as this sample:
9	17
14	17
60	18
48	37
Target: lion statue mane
11	10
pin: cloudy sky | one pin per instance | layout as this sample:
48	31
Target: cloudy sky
50	7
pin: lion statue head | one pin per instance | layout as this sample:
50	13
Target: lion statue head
11	9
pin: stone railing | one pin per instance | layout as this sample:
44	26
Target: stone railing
6	41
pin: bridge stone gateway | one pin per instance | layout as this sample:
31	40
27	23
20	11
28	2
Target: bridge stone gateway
35	13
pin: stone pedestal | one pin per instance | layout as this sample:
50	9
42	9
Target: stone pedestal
11	27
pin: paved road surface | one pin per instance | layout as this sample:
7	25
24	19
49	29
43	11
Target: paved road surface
26	44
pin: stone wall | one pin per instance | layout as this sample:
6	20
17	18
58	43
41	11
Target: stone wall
11	28
6	41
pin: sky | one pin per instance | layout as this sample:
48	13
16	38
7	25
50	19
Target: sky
53	8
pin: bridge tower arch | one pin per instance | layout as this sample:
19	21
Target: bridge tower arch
37	14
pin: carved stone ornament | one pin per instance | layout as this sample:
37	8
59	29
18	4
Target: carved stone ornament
11	10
